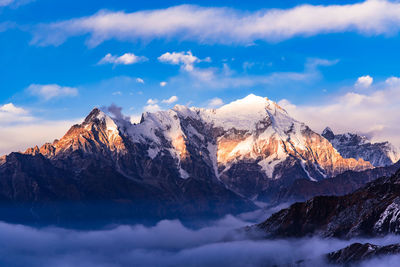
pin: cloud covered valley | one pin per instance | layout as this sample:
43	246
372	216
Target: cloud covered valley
167	243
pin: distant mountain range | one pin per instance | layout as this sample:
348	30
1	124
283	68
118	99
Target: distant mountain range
356	146
182	162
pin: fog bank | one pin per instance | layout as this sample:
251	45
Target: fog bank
168	243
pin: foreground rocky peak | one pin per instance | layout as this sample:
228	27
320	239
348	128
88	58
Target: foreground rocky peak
358	252
373	210
351	145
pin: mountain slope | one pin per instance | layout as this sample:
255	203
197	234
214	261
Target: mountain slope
93	163
342	184
370	211
358	252
356	146
222	156
252	137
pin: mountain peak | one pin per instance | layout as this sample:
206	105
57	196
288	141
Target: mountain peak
328	133
96	113
251	102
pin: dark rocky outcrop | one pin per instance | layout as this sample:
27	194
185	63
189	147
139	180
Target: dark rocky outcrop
357	252
373	210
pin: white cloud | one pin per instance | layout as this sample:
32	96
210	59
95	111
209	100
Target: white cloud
125	59
215	103
185	59
12	109
135	118
364	82
151	101
170	100
162	84
9	113
50	91
226	25
21	130
139	80
374	114
117	93
151	108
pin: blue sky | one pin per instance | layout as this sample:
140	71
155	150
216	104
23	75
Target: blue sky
309	57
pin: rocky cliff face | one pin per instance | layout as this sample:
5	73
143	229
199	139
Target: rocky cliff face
358	252
373	210
223	156
351	145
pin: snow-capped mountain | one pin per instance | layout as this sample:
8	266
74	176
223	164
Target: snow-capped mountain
243	144
191	160
351	145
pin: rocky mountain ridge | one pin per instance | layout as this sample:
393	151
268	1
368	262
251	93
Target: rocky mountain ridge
357	252
252	135
373	210
351	145
180	157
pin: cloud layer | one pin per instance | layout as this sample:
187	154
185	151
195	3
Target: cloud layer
224	25
168	243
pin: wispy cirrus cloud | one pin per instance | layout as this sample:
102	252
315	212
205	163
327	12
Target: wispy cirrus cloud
14	3
225	25
226	78
50	91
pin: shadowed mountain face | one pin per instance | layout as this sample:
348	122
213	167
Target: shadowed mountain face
373	210
184	161
342	184
358	252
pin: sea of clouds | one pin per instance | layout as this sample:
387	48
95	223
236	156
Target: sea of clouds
167	243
